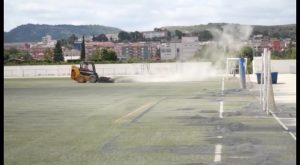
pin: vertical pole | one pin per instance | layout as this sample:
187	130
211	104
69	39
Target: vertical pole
261	69
242	73
265	79
269	81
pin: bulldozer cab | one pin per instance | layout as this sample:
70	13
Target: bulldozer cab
87	72
87	68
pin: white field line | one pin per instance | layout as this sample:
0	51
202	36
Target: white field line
133	112
284	127
218	151
218	147
293	136
221	109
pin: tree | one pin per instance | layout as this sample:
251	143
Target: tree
247	52
48	55
72	39
108	55
104	54
293	53
205	35
6	55
178	33
168	35
15	54
82	53
101	38
124	36
96	56
136	36
58	55
275	35
64	42
25	56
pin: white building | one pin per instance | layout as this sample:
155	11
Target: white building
188	47
183	50
154	34
112	36
71	54
47	39
189	39
169	51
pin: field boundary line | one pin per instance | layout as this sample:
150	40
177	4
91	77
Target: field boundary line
283	126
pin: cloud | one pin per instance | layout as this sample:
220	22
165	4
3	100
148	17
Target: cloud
141	15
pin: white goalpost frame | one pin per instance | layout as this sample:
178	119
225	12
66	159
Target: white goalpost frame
266	82
234	59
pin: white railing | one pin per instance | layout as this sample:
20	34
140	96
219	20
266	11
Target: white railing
105	69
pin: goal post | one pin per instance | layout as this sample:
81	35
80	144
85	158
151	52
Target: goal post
266	88
233	66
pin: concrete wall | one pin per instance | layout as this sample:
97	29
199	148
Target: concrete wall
280	66
106	69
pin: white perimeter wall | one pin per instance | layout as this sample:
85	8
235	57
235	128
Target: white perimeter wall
280	66
107	69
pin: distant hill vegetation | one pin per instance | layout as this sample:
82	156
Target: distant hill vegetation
279	31
35	32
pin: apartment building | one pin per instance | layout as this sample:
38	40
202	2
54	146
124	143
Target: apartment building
140	50
90	47
170	51
188	47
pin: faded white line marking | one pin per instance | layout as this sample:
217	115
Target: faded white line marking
218	152
221	109
283	126
293	136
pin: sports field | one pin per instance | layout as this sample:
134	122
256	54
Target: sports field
58	121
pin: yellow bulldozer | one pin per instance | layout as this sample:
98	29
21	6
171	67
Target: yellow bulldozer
87	72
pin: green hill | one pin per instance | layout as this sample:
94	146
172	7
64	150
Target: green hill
35	32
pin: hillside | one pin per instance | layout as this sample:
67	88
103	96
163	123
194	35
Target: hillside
35	32
283	31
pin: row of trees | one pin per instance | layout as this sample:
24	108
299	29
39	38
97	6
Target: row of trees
137	36
14	54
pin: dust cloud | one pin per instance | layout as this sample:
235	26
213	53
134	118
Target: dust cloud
209	61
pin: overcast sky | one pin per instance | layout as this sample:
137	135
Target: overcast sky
140	15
